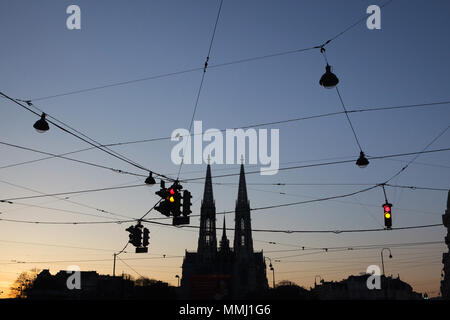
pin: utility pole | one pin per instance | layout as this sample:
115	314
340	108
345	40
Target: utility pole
386	280
382	260
115	256
273	271
114	266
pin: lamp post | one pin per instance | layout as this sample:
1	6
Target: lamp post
273	271
178	277
382	260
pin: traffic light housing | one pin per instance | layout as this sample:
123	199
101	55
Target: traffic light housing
387	215
145	237
187	203
135	235
163	207
171	204
175	199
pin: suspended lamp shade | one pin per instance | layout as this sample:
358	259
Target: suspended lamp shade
41	125
362	161
150	180
329	79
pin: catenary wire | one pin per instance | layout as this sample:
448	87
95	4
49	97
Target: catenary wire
202	80
175	73
243	127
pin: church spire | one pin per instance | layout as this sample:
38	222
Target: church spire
224	243
207	243
243	242
242	192
208	197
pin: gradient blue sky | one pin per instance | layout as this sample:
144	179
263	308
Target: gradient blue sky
406	62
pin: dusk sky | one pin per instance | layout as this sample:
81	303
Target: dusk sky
404	63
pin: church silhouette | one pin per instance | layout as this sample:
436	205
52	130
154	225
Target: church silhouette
224	272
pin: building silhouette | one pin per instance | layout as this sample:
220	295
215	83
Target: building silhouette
224	272
94	286
445	283
355	288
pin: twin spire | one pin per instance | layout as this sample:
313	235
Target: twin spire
208	200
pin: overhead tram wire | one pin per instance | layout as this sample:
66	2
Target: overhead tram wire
417	188
67	158
335	231
223	64
131	268
65	199
88	260
63	210
416	156
355	24
242	127
72	192
322	164
202	80
353	247
348	119
95	145
233	174
55	245
322	50
85	136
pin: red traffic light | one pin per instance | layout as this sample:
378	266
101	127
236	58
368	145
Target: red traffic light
387	215
172	191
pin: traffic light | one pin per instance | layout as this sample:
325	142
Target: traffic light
146	237
135	235
177	218
175	200
163	207
387	215
130	229
171	205
186	203
171	195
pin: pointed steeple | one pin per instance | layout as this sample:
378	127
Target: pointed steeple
242	192
224	243
243	243
207	243
208	197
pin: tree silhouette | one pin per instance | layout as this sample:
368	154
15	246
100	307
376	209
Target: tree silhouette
23	283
